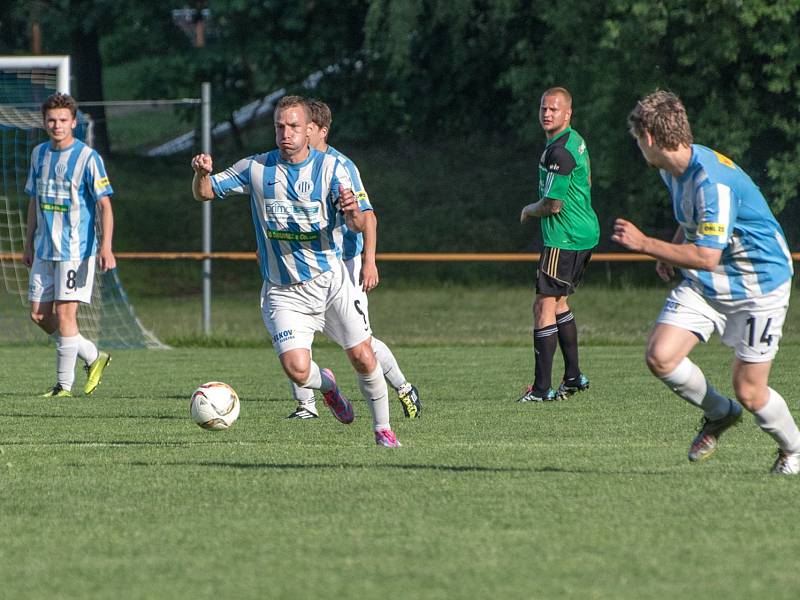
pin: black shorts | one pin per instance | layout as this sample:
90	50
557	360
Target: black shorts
560	271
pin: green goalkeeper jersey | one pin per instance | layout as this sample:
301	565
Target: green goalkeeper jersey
565	174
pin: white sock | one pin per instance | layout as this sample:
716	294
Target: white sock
87	351
373	387
317	380
688	382
66	356
304	396
774	418
391	370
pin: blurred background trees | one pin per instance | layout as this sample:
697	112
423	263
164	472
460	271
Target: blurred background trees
434	78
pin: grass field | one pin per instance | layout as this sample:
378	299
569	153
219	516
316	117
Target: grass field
121	495
433	316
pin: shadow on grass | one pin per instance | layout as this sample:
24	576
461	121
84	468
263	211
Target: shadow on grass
178	397
114	443
74	417
404	467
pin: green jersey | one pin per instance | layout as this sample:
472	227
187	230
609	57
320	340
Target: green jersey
565	174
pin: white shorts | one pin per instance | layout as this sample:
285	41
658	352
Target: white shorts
353	268
294	313
62	280
752	326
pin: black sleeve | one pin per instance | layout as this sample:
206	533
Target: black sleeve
558	160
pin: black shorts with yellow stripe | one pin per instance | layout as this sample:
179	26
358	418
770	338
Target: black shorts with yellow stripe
560	271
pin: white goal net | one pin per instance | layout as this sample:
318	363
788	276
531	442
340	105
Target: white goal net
25	82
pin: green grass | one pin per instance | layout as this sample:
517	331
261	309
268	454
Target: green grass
430	316
121	495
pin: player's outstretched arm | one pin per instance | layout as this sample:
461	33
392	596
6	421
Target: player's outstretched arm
201	183
686	256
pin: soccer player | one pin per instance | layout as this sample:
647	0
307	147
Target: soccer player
358	253
736	269
68	185
570	230
295	193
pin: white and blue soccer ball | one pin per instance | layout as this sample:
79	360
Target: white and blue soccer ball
214	405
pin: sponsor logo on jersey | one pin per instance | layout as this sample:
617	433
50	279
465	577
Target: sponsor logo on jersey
582	148
303	188
48	207
712	229
281	211
101	183
52	188
724	160
293	236
362	196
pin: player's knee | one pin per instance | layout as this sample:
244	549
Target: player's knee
297	374
544	311
297	368
751	395
660	362
362	358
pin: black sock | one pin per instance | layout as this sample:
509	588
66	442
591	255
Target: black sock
568	340
545	341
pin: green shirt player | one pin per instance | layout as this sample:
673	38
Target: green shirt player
570	230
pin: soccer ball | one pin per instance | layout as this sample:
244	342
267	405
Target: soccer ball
214	405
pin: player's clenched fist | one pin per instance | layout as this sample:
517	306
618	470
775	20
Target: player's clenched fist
202	164
347	200
201	182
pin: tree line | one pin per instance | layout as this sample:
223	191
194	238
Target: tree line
471	71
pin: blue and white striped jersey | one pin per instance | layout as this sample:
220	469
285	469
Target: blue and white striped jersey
66	185
294	210
718	206
350	242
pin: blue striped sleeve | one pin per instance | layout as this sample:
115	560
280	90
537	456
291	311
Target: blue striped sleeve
340	177
358	186
97	178
716	214
233	180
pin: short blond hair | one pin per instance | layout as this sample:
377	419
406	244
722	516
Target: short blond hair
663	116
289	101
564	92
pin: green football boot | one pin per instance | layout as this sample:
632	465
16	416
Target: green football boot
94	372
57	392
409	399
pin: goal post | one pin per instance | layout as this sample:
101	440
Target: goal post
37	67
25	82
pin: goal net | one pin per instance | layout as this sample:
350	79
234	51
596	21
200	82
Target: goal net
25	82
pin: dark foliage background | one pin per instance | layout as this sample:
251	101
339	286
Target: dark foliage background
437	100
